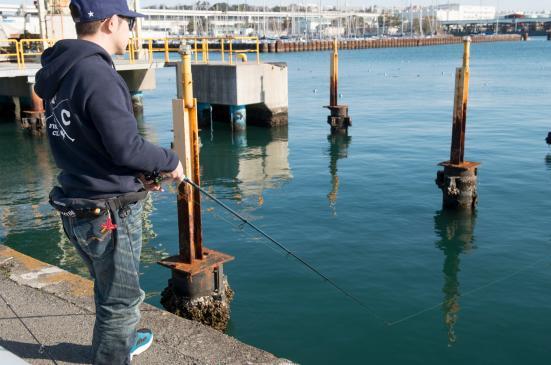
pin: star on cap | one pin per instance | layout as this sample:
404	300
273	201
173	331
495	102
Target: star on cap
90	14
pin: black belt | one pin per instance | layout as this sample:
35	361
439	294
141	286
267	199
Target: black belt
90	208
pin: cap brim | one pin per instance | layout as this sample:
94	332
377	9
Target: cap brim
131	14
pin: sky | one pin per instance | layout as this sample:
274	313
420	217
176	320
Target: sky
527	5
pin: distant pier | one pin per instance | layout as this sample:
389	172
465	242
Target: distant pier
282	46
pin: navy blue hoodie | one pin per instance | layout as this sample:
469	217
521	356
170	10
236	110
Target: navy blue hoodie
92	130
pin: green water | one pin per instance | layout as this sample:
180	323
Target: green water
363	209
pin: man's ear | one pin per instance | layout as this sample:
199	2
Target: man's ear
111	24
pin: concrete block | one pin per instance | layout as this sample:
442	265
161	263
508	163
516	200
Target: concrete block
263	88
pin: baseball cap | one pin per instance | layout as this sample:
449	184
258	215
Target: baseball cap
92	10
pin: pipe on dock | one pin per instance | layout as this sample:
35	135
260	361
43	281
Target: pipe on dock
242	57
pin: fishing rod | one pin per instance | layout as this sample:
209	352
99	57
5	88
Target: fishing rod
286	250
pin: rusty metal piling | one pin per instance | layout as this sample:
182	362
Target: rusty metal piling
33	119
198	289
338	119
458	180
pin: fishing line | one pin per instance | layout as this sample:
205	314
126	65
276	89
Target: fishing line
42	348
469	292
286	250
238	227
335	285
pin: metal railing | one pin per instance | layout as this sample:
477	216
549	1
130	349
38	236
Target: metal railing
6	51
41	43
204	47
230	49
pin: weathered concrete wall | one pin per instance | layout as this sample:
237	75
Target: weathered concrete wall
215	84
266	83
58	308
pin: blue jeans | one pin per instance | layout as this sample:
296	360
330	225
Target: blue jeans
113	259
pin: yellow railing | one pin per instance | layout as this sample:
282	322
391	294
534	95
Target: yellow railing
4	51
202	48
42	43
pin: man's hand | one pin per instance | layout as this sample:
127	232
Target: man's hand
154	184
176	175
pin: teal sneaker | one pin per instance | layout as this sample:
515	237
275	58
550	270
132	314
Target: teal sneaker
144	339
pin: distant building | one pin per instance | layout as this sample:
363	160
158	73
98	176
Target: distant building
452	12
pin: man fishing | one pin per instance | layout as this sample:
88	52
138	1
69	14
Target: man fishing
95	143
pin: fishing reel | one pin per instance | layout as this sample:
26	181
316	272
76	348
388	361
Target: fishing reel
154	177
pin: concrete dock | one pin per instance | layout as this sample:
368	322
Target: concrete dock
58	308
16	81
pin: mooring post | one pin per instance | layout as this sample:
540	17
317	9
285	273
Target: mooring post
198	289
238	116
458	180
334	75
338	119
525	35
33	119
137	103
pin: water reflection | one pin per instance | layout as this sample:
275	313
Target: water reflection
257	162
28	174
548	161
455	229
27	221
338	149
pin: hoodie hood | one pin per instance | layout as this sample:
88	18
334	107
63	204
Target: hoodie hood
58	60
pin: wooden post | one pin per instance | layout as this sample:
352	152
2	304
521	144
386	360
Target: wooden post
462	76
187	147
